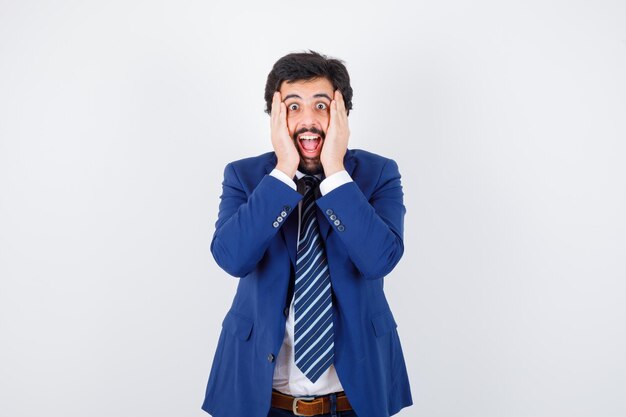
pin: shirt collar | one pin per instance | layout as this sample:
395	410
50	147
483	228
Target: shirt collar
300	175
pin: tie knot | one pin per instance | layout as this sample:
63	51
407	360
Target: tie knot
309	183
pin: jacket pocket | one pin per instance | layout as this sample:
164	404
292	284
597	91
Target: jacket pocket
383	323
238	326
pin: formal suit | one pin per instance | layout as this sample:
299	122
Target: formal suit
361	224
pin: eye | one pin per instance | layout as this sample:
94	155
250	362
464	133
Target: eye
293	107
321	106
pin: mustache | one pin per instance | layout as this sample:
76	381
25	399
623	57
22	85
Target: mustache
308	129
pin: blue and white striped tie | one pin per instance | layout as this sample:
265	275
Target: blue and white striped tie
313	312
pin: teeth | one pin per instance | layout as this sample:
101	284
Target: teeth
308	137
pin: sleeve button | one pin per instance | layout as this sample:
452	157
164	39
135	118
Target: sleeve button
270	357
333	217
341	228
283	213
275	224
279	219
329	211
337	222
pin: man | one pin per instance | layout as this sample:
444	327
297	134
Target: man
309	330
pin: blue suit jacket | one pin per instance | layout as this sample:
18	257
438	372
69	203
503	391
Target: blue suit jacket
255	239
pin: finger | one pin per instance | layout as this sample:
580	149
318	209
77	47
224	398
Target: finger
341	106
275	105
283	114
333	113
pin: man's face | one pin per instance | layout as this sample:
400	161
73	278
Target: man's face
308	116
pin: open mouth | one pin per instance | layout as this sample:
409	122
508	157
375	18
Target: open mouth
309	142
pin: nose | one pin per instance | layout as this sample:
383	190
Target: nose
308	118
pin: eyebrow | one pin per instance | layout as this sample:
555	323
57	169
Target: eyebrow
324	95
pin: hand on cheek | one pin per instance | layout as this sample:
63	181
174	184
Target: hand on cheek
286	152
336	142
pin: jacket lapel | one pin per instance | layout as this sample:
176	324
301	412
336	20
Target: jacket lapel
290	234
271	164
349	162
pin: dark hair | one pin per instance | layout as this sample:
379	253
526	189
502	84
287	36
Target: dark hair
305	66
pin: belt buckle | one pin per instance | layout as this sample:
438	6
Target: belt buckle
295	404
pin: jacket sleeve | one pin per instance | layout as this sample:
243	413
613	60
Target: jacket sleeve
371	230
247	222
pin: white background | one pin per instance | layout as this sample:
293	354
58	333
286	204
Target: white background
507	120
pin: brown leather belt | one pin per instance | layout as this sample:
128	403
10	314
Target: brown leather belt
309	406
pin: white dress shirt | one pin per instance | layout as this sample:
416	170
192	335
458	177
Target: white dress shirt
288	378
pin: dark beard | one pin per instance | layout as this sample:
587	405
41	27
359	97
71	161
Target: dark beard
308	165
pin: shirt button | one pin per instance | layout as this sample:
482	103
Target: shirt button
275	224
270	357
333	217
341	228
329	211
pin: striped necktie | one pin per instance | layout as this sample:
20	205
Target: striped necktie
313	313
